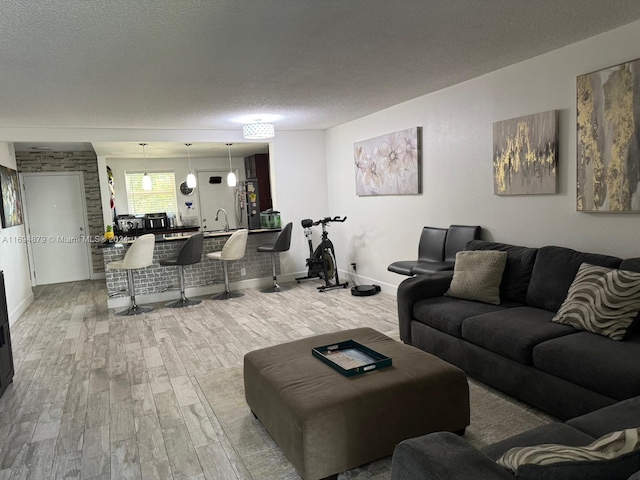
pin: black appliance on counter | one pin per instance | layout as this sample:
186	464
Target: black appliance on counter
155	221
130	223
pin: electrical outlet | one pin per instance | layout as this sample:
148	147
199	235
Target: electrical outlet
243	271
353	265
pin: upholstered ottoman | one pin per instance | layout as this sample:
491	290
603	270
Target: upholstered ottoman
327	423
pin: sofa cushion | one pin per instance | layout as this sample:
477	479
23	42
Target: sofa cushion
594	362
601	300
477	275
513	332
517	272
447	314
554	432
632	264
614	456
621	415
554	270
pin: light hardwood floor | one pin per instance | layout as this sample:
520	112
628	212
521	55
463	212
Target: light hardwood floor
100	396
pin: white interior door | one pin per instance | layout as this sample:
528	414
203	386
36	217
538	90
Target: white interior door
213	196
58	239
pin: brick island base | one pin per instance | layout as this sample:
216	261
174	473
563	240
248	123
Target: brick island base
326	423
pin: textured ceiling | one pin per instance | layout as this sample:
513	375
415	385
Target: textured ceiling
309	64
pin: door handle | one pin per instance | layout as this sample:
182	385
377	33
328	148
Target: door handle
2	341
81	229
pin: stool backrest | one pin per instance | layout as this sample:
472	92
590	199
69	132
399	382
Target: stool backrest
235	247
431	246
283	241
191	251
457	238
140	253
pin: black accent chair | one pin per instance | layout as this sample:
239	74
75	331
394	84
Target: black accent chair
457	238
189	254
430	249
281	244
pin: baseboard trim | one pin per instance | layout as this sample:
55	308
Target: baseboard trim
20	309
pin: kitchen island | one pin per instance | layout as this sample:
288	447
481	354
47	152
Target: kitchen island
253	270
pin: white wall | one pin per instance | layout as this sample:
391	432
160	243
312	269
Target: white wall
13	255
300	190
457	165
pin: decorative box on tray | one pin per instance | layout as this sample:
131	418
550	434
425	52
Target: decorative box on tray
351	358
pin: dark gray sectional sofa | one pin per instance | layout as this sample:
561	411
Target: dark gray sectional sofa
445	456
514	346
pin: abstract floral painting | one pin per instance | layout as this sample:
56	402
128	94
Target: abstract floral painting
390	164
525	155
608	150
11	210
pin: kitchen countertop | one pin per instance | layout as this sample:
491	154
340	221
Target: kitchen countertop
174	235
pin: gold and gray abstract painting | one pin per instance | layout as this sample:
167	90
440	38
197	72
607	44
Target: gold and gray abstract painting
525	155
608	114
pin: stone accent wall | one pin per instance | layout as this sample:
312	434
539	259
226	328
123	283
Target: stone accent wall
154	278
85	162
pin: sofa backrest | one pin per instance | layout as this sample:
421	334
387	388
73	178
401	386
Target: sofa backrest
554	271
517	272
632	264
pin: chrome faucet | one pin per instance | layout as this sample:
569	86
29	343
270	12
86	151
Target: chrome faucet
226	219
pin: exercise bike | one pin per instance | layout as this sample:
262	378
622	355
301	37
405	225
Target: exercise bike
322	261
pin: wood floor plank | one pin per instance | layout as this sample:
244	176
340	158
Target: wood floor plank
125	464
96	453
157	469
182	456
198	425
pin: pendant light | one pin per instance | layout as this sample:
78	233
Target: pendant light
191	178
231	177
146	179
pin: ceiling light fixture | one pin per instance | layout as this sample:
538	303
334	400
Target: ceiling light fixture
146	179
258	130
191	178
231	177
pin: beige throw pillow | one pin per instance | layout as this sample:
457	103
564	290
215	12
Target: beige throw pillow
477	275
601	300
608	447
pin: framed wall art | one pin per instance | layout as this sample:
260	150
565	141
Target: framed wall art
608	136
11	211
525	155
390	164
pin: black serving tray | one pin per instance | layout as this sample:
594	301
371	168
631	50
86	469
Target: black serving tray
351	358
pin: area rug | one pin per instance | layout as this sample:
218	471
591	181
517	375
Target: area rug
493	417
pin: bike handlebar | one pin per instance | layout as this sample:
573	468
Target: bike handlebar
328	220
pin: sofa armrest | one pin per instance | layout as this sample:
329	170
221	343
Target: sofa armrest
443	456
418	288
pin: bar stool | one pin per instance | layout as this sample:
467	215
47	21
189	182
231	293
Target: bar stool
139	255
189	254
233	249
282	244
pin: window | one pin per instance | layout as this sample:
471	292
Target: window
161	199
